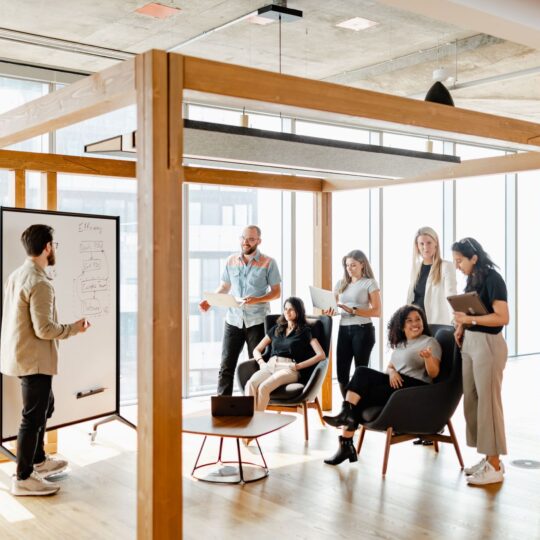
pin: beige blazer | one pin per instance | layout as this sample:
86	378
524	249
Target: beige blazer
30	328
438	310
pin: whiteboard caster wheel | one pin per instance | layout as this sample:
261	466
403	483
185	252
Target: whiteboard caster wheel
93	435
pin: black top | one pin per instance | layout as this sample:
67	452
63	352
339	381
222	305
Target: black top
295	346
420	287
493	288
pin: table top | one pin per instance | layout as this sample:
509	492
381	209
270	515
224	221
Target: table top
250	427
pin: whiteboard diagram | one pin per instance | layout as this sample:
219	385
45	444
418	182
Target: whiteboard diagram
92	285
86	282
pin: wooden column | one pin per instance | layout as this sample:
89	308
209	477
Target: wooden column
20	188
322	268
159	175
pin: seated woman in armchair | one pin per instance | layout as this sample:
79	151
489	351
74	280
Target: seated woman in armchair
294	353
415	361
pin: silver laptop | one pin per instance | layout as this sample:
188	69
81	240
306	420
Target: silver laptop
232	405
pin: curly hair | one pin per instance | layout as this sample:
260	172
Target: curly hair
300	321
396	325
469	247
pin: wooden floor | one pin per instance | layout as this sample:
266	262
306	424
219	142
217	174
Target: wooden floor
424	495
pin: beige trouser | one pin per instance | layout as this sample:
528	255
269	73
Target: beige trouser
273	374
484	358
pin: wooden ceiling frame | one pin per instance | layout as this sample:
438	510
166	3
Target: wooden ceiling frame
159	82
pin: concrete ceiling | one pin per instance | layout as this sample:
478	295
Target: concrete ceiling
397	56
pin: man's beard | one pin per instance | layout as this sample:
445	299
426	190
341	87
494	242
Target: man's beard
249	250
51	259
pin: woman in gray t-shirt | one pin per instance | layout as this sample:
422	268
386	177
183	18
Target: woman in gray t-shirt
358	296
415	361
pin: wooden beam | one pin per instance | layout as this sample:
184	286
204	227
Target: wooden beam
35	161
52	190
225	177
20	188
159	352
322	269
97	94
286	90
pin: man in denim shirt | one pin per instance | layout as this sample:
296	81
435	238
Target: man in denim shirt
255	278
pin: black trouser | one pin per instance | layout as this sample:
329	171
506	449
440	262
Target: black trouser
374	388
234	339
38	406
354	341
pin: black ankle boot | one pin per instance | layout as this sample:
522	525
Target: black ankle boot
345	451
344	418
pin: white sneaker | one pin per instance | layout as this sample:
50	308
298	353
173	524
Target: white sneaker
51	466
33	485
469	471
487	475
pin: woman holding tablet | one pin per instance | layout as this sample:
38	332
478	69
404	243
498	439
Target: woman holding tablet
358	295
484	354
432	278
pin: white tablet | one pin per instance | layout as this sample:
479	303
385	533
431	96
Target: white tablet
322	299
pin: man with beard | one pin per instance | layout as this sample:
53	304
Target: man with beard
29	350
255	278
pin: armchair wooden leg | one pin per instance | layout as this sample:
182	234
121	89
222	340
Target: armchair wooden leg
306	431
387	450
455	443
319	410
360	439
436	446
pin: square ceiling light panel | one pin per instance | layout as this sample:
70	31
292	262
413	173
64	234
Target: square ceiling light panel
158	11
356	24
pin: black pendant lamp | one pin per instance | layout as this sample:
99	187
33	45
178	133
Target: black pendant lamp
438	93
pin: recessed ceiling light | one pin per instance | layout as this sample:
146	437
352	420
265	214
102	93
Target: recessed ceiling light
263	21
357	23
158	11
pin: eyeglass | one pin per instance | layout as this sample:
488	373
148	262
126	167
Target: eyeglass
250	239
468	241
54	245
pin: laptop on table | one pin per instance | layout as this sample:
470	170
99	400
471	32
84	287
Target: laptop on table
232	405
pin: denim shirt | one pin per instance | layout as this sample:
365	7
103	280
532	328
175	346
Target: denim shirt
252	279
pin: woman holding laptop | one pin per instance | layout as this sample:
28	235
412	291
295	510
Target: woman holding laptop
358	295
484	354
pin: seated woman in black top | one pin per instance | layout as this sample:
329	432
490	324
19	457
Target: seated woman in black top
294	353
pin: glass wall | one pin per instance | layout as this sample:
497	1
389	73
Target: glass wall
217	216
528	262
99	195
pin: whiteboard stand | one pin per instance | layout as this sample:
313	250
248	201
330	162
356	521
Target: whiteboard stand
116	416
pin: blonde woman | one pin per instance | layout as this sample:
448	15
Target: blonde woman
359	297
432	278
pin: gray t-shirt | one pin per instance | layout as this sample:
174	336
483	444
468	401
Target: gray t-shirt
356	295
407	360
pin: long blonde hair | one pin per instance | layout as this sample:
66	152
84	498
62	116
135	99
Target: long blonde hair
360	257
435	271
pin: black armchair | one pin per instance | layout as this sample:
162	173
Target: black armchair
421	411
296	397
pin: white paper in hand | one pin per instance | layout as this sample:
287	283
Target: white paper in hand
221	300
322	298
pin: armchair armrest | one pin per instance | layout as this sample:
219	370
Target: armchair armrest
244	371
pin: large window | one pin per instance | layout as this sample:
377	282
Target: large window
217	216
98	195
405	210
528	290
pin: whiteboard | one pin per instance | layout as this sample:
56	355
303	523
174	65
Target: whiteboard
86	279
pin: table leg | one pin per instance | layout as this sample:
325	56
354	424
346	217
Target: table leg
220	449
262	455
199	455
240	470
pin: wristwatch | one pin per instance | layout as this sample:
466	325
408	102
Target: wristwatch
353	312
